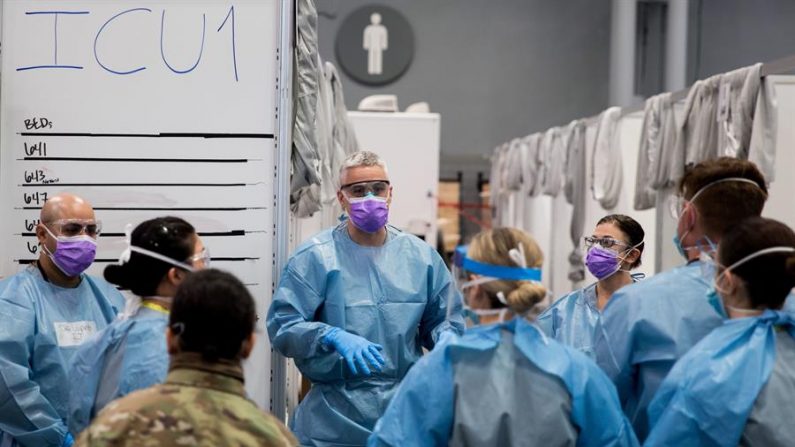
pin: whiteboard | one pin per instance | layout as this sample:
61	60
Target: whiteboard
146	109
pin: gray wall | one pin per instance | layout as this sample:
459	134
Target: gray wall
492	69
504	68
735	33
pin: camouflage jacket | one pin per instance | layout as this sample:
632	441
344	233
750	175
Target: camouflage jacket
200	404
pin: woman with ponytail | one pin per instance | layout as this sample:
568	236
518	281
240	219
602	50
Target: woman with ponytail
131	353
504	384
491	298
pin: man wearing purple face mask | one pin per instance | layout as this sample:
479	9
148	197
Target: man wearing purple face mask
46	311
354	308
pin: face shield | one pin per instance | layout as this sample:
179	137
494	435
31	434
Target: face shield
464	266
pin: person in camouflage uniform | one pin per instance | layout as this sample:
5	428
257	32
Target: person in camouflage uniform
203	401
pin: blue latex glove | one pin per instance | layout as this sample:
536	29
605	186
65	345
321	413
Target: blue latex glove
68	440
357	351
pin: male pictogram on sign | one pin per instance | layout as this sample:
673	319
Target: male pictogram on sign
375	42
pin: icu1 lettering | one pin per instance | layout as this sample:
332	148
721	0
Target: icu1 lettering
227	24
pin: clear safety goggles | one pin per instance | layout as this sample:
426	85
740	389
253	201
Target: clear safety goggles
202	257
677	204
378	188
76	227
604	242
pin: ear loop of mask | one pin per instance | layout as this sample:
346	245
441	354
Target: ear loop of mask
624	258
766	251
125	255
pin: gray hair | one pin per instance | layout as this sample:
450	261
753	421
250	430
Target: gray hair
362	158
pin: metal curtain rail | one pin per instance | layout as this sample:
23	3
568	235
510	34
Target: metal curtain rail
779	66
287	11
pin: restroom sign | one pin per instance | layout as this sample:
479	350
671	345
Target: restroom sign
375	45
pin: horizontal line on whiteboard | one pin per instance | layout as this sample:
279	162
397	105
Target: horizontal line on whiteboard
202	234
100	208
224	185
137	160
29	13
113	261
38	67
149	135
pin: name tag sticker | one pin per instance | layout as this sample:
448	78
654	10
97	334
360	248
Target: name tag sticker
74	333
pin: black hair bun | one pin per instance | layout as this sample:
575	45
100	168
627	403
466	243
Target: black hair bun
117	274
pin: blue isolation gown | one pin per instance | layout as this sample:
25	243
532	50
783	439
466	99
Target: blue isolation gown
41	327
396	295
735	387
646	327
126	356
504	385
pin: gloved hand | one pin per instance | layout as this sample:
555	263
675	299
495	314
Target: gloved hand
357	351
68	440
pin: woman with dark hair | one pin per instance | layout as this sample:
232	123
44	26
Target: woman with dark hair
737	385
130	353
614	249
203	400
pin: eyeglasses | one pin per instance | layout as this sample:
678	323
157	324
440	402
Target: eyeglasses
676	206
203	256
76	227
377	187
604	242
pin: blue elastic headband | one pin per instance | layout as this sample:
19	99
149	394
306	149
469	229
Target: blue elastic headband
494	271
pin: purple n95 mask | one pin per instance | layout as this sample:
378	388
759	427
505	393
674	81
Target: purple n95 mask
602	262
369	213
73	254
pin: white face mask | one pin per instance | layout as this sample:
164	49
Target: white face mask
125	255
478	315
